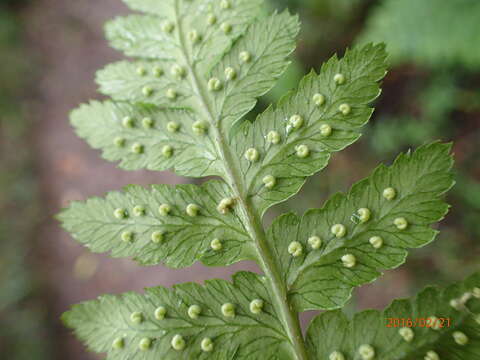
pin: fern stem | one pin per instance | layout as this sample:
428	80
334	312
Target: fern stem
269	267
289	317
255	228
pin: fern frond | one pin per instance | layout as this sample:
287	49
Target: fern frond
424	327
346	243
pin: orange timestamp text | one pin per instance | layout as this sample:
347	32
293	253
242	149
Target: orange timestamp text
430	322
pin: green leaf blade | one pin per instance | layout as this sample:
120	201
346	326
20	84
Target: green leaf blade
361	68
146	82
176	239
319	278
142	36
372	327
259	58
146	35
215	40
178	47
249	336
139	137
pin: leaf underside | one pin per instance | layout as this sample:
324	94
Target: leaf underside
184	239
168	82
198	68
318	279
147	129
245	336
362	68
338	333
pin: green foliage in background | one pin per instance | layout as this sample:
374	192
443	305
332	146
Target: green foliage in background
434	35
23	329
198	69
428	32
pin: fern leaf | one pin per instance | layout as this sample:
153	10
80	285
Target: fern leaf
143	36
176	225
427	327
198	68
340	246
146	82
203	26
190	321
256	61
209	58
309	118
149	137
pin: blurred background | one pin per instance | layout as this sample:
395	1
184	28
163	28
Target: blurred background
49	51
